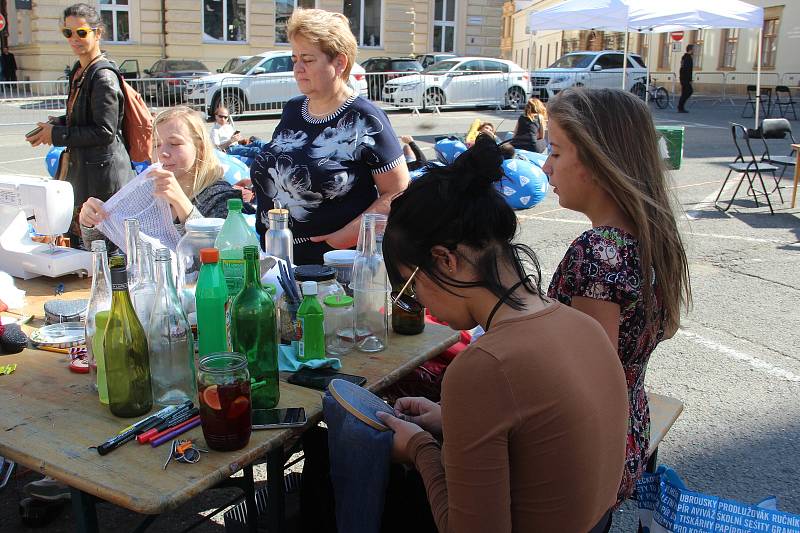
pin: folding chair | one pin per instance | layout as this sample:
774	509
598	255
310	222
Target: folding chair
6	469
747	166
787	102
777	128
751	100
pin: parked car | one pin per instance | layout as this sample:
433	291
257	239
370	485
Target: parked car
381	69
586	68
461	81
170	77
262	83
233	63
427	60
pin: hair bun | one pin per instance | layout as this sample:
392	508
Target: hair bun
481	165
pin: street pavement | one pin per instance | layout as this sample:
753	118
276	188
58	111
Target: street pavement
735	362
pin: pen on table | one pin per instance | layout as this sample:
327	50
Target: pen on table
142	425
163	414
174	432
167	424
60	350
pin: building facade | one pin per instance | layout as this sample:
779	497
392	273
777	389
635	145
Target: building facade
721	52
213	31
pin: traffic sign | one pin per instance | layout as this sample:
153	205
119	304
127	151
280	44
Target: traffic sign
676	35
2	22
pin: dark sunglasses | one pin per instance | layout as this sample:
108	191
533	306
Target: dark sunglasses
222	116
82	32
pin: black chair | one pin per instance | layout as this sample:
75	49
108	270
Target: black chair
766	94
747	165
6	469
785	103
777	128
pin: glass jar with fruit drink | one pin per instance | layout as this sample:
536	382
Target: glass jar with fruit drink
225	409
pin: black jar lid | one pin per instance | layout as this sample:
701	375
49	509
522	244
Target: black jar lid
314	273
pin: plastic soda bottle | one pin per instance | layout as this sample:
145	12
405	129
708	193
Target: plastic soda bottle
311	319
211	295
233	237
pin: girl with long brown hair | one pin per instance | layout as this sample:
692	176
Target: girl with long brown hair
531	127
629	271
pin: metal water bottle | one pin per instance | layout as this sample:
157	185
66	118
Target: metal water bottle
278	240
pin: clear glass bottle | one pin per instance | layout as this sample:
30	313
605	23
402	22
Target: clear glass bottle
254	333
278	241
132	250
370	286
144	292
99	301
125	349
233	237
169	337
200	233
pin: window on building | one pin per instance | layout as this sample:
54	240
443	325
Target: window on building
698	38
365	20
444	25
730	41
284	10
665	49
116	16
769	42
225	20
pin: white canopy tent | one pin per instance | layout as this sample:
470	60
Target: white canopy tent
651	17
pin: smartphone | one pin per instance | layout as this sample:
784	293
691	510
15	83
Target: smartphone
236	132
319	378
279	418
34	131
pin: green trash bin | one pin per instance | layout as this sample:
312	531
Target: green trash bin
671	145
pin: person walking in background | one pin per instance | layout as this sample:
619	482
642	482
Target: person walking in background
96	161
9	65
531	127
687	67
629	270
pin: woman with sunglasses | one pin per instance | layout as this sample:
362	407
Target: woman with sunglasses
96	161
222	133
533	416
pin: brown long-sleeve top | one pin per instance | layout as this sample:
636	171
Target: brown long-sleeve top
534	422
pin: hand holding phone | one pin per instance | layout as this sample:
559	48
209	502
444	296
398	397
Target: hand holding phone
291	417
237	132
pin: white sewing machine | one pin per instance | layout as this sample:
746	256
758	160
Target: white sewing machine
47	205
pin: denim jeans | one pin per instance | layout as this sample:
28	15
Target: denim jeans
360	457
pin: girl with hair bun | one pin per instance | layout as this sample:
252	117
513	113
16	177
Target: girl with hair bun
518	403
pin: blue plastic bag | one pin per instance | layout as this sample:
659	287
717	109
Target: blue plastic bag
667	506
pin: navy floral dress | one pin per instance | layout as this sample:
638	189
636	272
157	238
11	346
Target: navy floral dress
603	263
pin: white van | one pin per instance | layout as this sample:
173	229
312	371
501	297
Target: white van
587	69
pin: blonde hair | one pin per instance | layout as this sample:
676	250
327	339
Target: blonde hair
207	168
536	107
617	142
330	31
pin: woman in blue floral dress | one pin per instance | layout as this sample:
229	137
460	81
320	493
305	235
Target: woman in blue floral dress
629	271
334	155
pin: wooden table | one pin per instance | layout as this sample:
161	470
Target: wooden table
796	148
50	418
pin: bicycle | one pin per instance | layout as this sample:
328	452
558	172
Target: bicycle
654	93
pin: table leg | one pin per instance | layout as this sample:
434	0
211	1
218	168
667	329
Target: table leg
250	499
276	506
796	179
83	507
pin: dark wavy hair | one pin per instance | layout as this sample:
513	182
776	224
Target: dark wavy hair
85	11
459	205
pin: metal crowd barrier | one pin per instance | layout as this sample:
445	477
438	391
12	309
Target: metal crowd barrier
29	102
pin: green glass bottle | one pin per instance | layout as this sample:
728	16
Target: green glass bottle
233	237
101	321
211	295
311	319
254	333
125	350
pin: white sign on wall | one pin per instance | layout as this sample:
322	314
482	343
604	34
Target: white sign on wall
475	21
